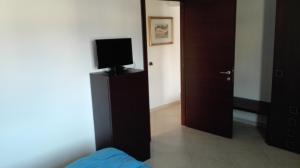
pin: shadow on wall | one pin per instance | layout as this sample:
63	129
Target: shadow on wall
94	52
50	160
268	50
267	59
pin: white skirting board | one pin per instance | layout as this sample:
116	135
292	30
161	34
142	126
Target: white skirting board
165	106
245	117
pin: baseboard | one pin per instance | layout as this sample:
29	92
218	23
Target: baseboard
254	106
165	106
248	118
259	124
247	122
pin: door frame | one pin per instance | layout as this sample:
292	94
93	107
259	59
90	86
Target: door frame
145	52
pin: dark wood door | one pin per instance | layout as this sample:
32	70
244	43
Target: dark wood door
208	43
284	117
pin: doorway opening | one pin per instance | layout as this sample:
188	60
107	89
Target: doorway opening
163	53
164	64
253	59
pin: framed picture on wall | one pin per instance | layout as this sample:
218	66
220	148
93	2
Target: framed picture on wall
161	30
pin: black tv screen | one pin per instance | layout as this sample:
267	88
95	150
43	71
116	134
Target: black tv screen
114	52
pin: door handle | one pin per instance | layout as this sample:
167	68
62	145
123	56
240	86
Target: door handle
226	73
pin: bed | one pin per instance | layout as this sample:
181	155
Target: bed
108	158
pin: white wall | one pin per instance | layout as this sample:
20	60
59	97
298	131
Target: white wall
46	56
254	49
254	53
164	75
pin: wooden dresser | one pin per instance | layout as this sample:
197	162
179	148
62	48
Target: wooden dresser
121	112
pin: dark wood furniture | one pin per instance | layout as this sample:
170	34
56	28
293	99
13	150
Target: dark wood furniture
284	123
121	112
252	106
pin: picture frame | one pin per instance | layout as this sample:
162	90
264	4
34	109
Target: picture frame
161	30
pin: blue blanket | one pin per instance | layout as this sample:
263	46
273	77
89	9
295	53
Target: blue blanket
108	158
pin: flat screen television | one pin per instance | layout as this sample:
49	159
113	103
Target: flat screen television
114	53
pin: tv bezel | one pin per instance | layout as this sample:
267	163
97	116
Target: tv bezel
116	66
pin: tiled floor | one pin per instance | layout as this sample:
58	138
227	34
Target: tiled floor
175	146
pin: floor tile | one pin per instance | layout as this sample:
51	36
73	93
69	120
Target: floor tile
176	146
